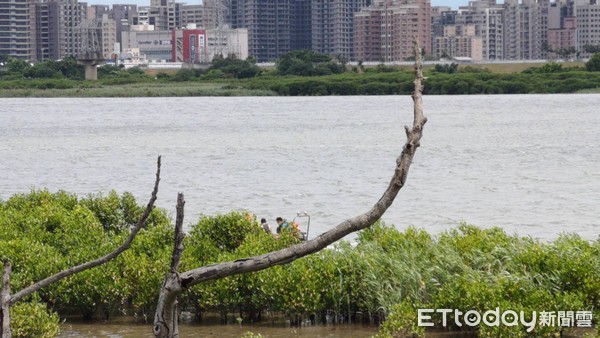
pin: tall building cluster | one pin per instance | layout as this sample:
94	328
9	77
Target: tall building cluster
526	30
356	30
385	30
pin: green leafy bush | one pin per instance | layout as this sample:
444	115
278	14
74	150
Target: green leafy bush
593	64
108	71
226	231
308	63
233	67
44	233
550	67
41	70
402	322
385	277
446	68
33	320
184	74
214	74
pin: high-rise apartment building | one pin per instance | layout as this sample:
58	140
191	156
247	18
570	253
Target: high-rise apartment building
142	17
458	41
333	26
17	29
191	14
525	29
514	30
161	10
275	27
47	28
587	13
215	13
302	25
123	15
107	36
154	16
73	14
440	17
390	27
516	21
564	37
57	28
487	18
562	32
162	14
96	11
367	34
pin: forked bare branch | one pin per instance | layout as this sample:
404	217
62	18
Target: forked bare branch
165	321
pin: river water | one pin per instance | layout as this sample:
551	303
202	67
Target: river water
527	163
126	328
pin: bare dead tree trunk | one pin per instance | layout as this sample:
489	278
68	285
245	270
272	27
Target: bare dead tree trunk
175	283
165	318
7	300
4	301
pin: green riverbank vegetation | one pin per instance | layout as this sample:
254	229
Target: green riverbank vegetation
383	278
297	73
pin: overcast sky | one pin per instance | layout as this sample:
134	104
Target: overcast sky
452	3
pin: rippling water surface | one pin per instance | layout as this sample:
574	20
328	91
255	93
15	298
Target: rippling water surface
530	164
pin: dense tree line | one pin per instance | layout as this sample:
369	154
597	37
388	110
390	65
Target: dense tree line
309	73
66	68
385	277
437	83
309	63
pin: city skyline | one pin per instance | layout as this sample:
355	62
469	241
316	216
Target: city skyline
452	3
266	29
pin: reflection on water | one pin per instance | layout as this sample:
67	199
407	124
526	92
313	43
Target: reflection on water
124	327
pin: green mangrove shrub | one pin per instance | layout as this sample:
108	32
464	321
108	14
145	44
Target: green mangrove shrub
385	276
43	233
33	320
593	64
402	322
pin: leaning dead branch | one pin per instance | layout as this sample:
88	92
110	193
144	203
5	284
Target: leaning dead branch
7	300
165	321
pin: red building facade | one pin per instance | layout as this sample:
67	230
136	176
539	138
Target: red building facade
189	46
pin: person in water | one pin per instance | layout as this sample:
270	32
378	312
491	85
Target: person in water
281	225
265	225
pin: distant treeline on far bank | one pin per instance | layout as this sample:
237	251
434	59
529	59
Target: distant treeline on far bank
298	73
